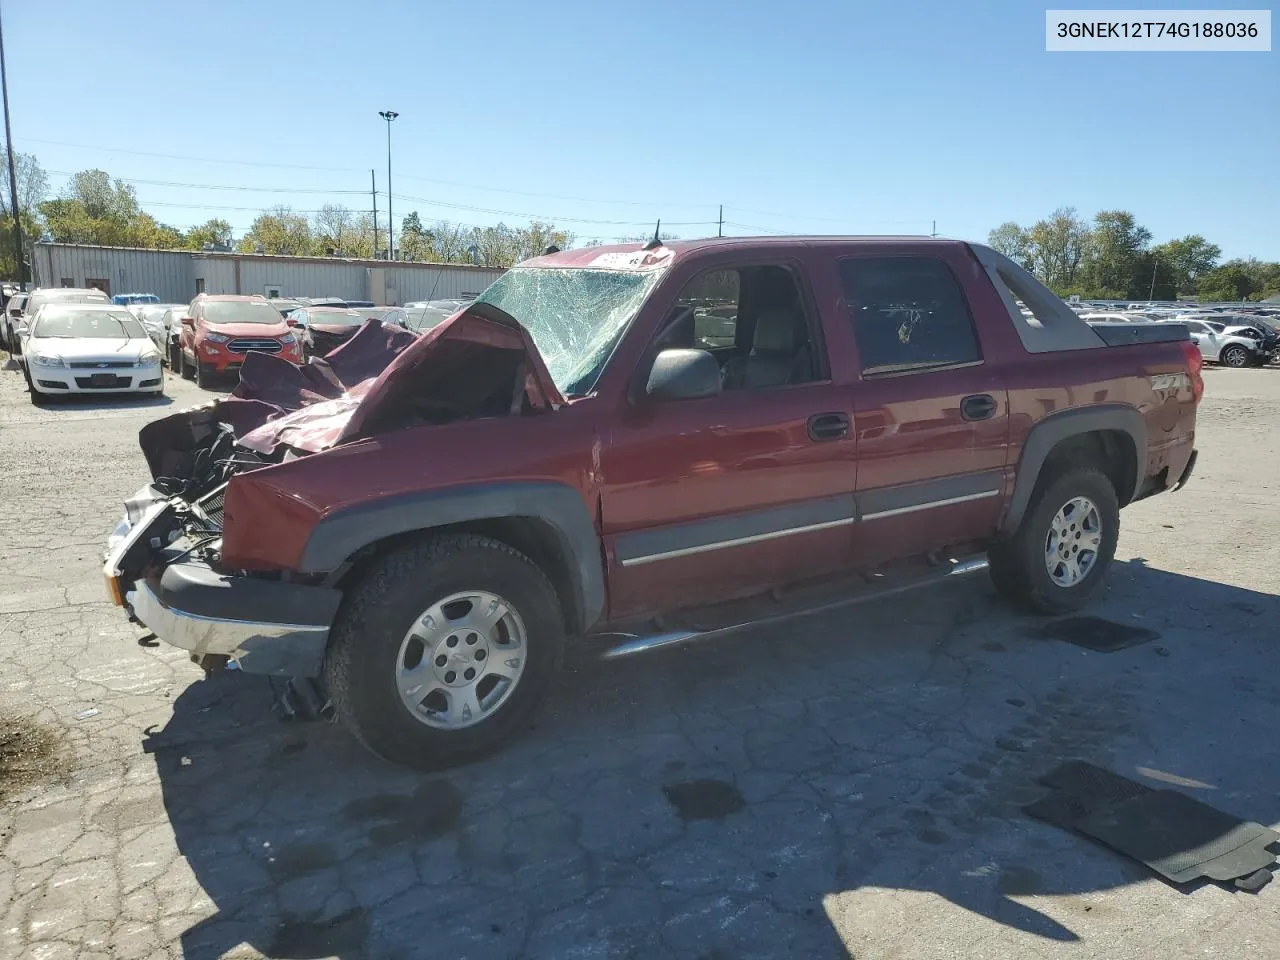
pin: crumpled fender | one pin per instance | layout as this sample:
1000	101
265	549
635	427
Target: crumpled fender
311	407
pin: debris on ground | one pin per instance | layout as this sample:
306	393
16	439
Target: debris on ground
1174	834
29	754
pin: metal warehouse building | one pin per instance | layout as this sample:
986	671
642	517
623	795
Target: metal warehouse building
175	276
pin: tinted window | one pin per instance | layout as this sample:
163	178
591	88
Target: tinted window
908	313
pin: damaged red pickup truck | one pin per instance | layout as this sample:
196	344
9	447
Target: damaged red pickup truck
709	432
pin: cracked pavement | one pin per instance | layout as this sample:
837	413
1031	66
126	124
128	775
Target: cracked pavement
844	784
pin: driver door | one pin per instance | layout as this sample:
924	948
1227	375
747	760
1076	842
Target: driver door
726	495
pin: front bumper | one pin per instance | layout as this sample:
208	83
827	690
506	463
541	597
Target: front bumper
61	380
267	626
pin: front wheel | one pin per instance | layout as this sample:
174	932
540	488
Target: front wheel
1060	552
1235	356
444	650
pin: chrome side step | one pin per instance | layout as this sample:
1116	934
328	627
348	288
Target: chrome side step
634	643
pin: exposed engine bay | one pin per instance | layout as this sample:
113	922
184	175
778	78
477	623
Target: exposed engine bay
478	364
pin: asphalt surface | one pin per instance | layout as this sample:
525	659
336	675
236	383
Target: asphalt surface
849	784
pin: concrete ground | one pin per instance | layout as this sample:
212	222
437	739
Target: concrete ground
849	784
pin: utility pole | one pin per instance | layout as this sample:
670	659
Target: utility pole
389	115
373	190
720	228
13	176
1155	265
934	231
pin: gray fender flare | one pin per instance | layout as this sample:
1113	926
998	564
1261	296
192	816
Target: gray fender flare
1055	428
340	535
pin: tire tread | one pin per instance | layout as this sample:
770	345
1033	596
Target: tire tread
388	575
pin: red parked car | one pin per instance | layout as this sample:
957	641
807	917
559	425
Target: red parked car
614	434
221	330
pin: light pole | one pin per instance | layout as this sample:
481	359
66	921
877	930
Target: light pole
13	180
389	115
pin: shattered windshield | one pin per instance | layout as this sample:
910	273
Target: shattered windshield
575	316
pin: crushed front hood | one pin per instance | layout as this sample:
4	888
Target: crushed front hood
356	387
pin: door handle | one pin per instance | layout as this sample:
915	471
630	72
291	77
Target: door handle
828	426
980	406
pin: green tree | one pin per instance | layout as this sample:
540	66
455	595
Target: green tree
1056	247
215	231
1114	255
1228	282
1011	240
334	228
416	242
103	198
1263	278
33	187
95	209
1187	259
279	231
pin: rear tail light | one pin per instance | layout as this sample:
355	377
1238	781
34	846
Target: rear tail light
1195	367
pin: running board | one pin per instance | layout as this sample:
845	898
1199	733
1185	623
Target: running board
634	643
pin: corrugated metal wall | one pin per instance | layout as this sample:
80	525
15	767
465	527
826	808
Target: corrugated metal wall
439	283
162	272
300	278
218	274
173	275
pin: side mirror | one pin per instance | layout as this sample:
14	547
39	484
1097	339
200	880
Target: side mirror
683	374
189	322
20	327
290	322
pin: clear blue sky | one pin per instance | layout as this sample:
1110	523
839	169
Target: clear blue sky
804	116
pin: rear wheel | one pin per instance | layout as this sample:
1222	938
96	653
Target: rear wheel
175	357
444	650
1061	551
1235	356
183	367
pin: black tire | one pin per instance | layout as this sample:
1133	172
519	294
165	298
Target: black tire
202	375
1018	567
37	398
175	357
183	367
1234	356
375	617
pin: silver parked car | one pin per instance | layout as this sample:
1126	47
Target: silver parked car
1223	346
160	321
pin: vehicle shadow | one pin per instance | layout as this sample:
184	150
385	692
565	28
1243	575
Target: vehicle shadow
117	401
739	798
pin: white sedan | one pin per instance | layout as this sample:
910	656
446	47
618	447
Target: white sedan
88	348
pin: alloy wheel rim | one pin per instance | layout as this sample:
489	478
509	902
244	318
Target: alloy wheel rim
461	660
1072	544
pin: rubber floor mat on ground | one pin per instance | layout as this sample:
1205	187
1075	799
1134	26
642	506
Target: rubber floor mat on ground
1095	633
1175	835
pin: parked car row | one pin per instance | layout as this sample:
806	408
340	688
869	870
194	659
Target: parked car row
1236	336
90	340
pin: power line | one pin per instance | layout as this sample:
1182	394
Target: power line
557	219
221	186
801	216
295	166
175	156
422	200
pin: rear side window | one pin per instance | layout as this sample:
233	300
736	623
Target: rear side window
908	313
